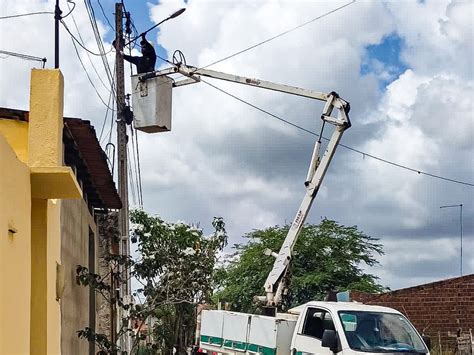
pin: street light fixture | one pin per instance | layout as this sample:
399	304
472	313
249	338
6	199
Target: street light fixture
173	15
460	221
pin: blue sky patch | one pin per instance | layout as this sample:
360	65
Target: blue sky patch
140	14
383	60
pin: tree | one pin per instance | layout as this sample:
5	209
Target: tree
327	256
175	270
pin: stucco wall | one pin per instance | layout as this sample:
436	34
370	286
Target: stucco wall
15	252
76	224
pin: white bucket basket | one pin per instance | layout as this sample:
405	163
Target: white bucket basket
151	103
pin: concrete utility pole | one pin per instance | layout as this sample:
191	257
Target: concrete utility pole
124	247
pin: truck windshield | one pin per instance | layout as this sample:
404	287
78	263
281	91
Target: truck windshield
380	332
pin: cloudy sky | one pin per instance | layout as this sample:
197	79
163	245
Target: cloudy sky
406	67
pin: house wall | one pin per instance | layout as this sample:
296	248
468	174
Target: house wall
32	178
77	227
438	309
15	252
45	150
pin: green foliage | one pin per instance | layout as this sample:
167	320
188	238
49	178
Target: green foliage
327	256
176	260
176	270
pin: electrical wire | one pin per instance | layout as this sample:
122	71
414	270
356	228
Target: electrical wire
386	161
136	167
88	55
106	18
89	78
131	181
100	45
80	44
274	37
111	98
24	56
28	14
281	34
70	10
139	170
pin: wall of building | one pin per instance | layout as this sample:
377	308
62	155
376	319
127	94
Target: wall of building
45	149
15	252
32	178
438	309
76	224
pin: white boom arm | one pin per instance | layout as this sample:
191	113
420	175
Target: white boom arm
275	283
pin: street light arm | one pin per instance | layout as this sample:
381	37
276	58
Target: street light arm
173	15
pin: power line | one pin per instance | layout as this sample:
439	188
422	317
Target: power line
281	34
111	98
274	37
136	166
98	38
27	14
89	78
139	169
24	56
88	55
106	18
80	44
420	172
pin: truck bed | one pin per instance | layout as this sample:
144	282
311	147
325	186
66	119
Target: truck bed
237	333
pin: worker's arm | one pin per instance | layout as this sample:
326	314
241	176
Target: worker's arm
131	59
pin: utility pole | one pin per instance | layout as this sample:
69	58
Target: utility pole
124	247
57	17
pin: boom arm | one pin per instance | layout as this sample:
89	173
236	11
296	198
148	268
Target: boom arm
275	283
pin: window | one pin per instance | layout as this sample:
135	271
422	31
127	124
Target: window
316	322
378	332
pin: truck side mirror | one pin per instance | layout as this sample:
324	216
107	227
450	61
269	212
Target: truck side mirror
330	340
427	341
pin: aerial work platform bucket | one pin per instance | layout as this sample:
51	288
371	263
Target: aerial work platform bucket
151	103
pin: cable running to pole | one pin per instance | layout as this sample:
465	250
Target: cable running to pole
280	34
24	56
80	44
420	172
27	14
88	55
88	76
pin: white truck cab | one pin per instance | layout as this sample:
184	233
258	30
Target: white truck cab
324	328
353	328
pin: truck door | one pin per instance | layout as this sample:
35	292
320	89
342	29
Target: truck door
310	332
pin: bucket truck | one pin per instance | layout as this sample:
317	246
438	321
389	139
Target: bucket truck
345	328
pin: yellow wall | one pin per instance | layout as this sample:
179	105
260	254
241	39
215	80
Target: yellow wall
45	149
15	252
16	134
30	317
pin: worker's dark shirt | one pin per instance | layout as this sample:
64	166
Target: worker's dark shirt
145	63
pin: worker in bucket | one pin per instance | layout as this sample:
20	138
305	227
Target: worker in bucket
145	63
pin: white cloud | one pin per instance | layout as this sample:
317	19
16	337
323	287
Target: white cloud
224	158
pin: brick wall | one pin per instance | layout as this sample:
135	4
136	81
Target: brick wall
439	309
